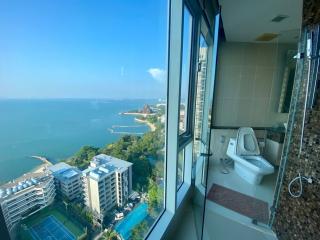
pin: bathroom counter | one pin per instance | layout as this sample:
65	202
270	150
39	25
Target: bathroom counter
276	134
274	144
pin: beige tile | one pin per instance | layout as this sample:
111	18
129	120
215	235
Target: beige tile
233	54
229	112
246	87
267	55
219	82
230	82
250	54
263	82
218	111
277	83
244	111
260	108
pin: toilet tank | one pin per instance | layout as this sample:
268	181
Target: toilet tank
273	148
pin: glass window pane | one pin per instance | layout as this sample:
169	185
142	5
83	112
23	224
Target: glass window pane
180	167
185	70
83	104
200	95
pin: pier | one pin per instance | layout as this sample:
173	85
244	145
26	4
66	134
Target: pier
43	159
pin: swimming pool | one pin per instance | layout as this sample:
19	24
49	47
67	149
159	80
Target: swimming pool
135	217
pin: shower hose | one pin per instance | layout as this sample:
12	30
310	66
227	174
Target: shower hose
299	178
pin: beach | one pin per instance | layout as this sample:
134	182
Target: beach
150	125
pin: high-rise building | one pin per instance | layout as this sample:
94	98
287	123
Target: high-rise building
26	195
200	96
4	233
107	183
67	180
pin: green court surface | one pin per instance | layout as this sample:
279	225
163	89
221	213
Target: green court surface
52	229
71	224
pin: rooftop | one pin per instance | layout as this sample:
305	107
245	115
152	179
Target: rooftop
64	170
24	182
102	165
103	159
68	173
99	172
59	166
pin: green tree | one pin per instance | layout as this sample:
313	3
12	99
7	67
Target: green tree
83	157
155	198
109	235
141	172
135	149
139	232
158	170
120	148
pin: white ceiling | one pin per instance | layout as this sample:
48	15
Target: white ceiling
245	20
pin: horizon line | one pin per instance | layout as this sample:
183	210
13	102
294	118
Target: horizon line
76	98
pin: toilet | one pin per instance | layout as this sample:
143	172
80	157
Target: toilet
248	163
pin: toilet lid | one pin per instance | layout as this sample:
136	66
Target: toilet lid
247	144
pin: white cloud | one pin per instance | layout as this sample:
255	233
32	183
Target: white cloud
158	74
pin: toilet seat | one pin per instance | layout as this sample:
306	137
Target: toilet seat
245	152
260	163
247	144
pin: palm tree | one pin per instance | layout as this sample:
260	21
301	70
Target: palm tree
66	204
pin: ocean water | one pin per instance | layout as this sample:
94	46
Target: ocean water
57	129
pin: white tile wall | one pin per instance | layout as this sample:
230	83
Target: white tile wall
219	148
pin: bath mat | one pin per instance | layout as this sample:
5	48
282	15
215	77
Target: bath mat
239	202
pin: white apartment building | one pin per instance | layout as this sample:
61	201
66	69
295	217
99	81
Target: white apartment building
25	196
67	180
107	183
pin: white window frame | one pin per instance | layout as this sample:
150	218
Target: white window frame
172	115
174	143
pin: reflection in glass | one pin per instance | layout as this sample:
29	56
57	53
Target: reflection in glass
63	83
180	168
200	94
185	70
287	81
201	134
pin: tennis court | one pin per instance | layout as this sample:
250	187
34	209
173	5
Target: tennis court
50	229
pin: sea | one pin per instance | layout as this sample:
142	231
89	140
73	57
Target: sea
58	128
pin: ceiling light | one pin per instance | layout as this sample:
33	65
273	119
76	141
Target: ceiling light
279	18
266	37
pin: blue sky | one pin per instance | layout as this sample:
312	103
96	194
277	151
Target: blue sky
83	49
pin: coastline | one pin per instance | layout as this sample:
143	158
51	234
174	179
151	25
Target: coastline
22	154
42	167
112	131
150	125
137	114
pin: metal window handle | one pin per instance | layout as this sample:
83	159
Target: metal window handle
200	140
206	154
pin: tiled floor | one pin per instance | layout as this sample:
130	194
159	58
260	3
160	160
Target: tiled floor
186	228
223	226
219	226
219	220
218	216
263	191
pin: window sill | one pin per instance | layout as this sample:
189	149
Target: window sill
161	226
163	223
182	192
